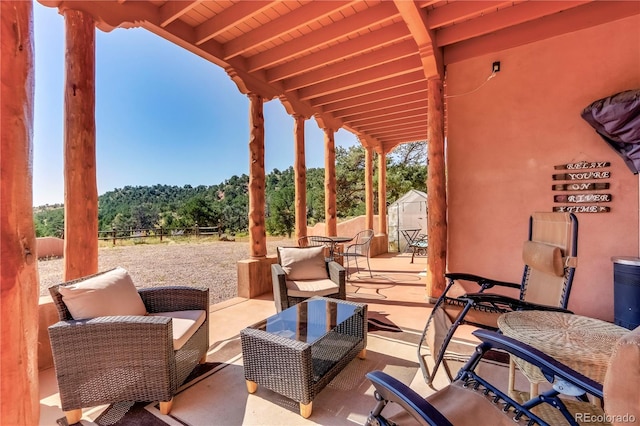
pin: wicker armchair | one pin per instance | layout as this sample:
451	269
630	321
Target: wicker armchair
289	289
110	359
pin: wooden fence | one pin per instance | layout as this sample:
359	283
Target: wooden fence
140	234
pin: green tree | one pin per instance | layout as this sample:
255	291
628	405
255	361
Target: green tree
280	202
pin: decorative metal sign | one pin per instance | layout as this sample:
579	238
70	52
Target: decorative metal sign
582	176
580	186
582	209
582	198
576	174
583	165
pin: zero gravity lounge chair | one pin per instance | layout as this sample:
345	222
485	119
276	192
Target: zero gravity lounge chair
550	260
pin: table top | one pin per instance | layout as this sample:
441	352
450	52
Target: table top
582	343
310	320
339	239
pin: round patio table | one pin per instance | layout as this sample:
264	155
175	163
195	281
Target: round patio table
582	343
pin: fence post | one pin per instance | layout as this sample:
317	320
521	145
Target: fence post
197	230
161	232
114	235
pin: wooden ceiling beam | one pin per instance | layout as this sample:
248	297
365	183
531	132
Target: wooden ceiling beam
382	72
414	137
416	20
379	86
461	11
381	13
172	10
353	65
388	118
298	18
578	18
383	105
384	95
504	18
409	108
418	127
397	125
229	18
373	40
402	136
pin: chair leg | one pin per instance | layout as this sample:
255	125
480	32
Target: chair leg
306	409
369	266
73	416
165	406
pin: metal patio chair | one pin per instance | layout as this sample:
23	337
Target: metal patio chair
549	256
359	249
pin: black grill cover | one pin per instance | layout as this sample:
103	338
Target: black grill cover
617	119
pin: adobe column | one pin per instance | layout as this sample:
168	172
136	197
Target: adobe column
300	177
257	234
330	183
19	279
80	188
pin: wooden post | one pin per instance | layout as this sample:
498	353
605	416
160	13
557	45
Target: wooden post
80	188
331	227
19	284
382	192
300	177
257	233
368	187
436	191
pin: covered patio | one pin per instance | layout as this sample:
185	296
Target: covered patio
496	88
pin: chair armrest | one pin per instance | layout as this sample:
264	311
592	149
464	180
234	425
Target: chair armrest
481	281
550	368
506	303
278	278
393	390
337	275
175	298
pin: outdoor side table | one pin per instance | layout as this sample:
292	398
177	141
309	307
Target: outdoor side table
582	343
298	351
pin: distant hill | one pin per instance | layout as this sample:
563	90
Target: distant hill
226	204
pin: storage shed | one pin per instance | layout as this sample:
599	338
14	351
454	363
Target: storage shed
407	218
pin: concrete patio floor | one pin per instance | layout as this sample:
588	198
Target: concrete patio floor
395	294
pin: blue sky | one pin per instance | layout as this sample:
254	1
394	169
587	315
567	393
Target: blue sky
163	115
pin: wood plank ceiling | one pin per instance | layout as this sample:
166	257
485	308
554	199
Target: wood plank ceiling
358	65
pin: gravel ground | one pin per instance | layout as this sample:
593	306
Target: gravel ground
204	263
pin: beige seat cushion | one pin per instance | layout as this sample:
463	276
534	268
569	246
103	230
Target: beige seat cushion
185	324
303	263
308	288
110	293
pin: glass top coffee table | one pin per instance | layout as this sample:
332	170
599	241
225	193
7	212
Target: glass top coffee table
298	351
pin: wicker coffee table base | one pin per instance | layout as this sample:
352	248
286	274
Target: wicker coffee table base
300	370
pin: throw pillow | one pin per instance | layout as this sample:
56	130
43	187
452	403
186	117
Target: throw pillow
110	293
303	263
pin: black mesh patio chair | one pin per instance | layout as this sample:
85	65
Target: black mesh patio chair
549	256
472	399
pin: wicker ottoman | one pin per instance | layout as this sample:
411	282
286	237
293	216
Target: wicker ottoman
298	351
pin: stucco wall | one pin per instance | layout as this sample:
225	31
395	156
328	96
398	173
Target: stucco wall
505	138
